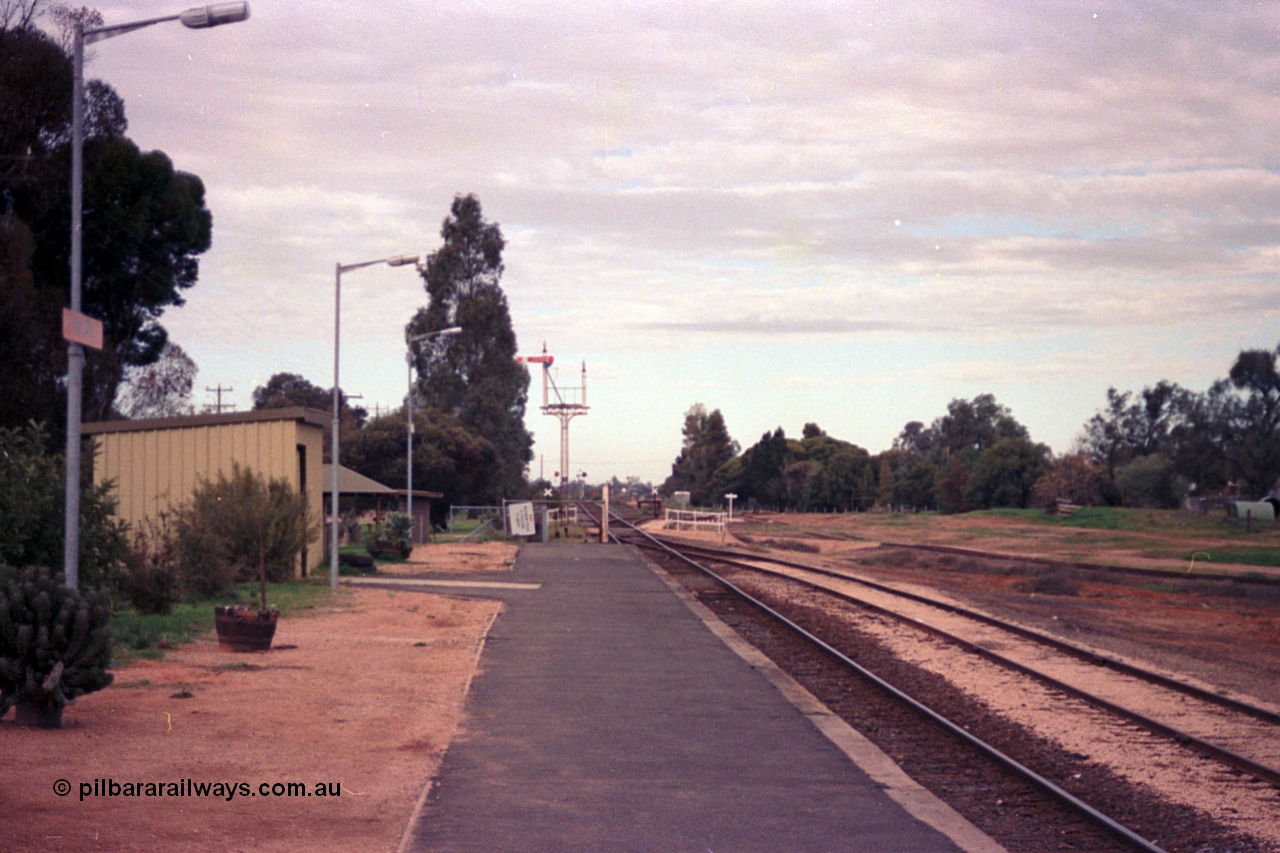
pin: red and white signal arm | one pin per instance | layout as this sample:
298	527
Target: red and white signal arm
81	329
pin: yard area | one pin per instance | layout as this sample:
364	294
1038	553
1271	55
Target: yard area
354	705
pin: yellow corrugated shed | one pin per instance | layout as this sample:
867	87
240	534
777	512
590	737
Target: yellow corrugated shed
157	464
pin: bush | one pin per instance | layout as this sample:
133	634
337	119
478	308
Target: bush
55	644
205	569
1151	481
32	511
1073	478
232	522
399	526
150	579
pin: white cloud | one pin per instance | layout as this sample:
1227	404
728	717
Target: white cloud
714	180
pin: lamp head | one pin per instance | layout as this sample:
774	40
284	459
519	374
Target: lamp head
403	260
452	330
213	15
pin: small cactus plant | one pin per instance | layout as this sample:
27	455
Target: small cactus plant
55	644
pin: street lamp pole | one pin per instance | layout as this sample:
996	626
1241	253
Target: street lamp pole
199	17
452	330
395	261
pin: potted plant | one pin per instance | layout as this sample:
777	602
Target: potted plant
250	520
245	629
55	645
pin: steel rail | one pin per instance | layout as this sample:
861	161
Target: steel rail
1064	646
1102	820
1221	753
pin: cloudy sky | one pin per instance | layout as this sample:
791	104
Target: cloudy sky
847	213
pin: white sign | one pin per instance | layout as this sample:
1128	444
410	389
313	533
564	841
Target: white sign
520	519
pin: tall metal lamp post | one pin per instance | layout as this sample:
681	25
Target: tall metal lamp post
394	261
196	18
452	330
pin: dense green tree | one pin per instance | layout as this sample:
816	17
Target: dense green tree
28	368
952	489
1135	426
1075	478
763	465
1231	433
1238	423
473	376
1005	474
32	501
841	476
285	390
914	483
706	447
934	465
144	225
35	103
1150	481
447	457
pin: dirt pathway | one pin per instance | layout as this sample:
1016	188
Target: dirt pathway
354	706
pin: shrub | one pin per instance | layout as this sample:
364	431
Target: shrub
32	508
150	579
1151	481
55	644
205	568
231	519
1073	478
399	526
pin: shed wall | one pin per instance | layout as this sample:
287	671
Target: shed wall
157	469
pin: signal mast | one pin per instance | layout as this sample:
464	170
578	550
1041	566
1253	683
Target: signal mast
562	403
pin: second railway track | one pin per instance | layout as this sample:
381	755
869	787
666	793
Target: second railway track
1192	770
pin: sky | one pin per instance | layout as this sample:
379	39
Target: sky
842	213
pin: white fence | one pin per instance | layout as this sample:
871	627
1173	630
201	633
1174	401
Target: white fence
689	519
563	515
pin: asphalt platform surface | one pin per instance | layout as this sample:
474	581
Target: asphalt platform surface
607	716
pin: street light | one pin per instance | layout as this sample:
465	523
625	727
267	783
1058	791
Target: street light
452	330
394	261
198	17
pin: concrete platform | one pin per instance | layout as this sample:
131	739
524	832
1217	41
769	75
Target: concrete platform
611	715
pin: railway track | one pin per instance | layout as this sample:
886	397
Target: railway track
1203	766
1240	578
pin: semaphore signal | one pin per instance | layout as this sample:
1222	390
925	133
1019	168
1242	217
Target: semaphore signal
563	403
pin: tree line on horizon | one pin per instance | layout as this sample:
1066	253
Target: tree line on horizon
1150	448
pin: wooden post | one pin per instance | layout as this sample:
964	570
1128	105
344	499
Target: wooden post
604	516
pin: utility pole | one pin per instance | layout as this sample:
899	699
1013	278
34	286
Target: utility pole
217	409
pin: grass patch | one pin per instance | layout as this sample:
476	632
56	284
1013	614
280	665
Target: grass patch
146	636
1164	522
1239	556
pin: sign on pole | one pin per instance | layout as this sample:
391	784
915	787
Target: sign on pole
520	519
81	329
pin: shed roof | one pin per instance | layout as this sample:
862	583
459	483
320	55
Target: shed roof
354	483
292	413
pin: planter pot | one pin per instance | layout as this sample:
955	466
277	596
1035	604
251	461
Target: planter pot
37	716
244	629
